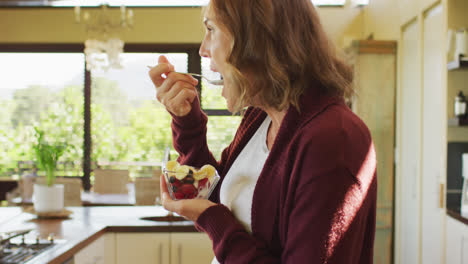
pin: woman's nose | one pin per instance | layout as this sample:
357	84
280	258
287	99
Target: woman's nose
204	51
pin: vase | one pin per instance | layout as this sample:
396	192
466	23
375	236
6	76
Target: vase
48	198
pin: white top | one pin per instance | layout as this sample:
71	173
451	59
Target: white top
238	185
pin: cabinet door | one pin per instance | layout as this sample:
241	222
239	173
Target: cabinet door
408	179
100	251
191	248
433	137
142	248
455	242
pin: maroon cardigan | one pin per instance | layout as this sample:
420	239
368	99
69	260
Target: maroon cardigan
315	199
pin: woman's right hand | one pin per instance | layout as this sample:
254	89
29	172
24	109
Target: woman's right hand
174	90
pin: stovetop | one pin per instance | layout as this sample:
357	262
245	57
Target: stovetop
16	249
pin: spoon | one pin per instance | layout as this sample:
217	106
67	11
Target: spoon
214	82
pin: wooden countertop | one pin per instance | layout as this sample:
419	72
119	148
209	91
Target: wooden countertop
457	215
85	225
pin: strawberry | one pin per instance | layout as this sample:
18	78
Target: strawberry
188	189
202	183
177	183
179	195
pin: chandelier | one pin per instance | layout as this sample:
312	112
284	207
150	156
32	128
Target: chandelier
103	44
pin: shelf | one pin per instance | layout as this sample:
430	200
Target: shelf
455	122
462	62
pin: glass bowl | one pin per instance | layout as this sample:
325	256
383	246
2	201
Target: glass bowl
189	183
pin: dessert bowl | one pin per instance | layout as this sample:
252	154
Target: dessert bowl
187	182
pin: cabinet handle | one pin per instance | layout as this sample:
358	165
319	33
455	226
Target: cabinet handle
179	250
441	195
160	253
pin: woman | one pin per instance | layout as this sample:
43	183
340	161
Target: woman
298	180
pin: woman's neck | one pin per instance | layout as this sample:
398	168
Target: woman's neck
276	119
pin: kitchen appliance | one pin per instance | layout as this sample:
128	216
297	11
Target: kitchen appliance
460	105
16	249
457	43
464	199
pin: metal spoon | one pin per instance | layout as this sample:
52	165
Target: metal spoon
214	82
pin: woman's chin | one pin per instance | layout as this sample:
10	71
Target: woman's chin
229	107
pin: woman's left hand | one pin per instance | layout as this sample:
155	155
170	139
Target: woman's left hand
189	208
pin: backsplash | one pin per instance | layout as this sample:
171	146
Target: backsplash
454	177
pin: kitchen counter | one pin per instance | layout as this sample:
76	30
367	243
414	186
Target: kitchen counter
457	215
85	225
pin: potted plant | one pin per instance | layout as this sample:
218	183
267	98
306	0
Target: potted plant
47	197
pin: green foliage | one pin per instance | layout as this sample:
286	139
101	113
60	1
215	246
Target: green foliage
122	129
211	97
30	103
47	155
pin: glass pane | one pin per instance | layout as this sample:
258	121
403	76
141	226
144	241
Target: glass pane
130	128
43	90
211	94
328	2
362	2
221	131
60	3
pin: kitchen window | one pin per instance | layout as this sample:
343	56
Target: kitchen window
36	90
128	125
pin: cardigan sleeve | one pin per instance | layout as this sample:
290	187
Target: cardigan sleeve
232	243
189	137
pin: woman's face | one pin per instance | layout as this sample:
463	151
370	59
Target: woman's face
216	45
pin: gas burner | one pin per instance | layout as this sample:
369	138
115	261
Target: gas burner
15	249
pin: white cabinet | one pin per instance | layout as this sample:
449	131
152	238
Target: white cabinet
457	242
142	248
163	248
422	139
191	248
100	251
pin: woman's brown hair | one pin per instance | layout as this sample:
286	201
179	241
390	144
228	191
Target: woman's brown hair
282	46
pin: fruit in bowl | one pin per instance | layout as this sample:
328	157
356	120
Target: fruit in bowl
187	182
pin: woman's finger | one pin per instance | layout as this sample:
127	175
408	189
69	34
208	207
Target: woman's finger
181	104
162	59
176	89
158	72
166	200
171	80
